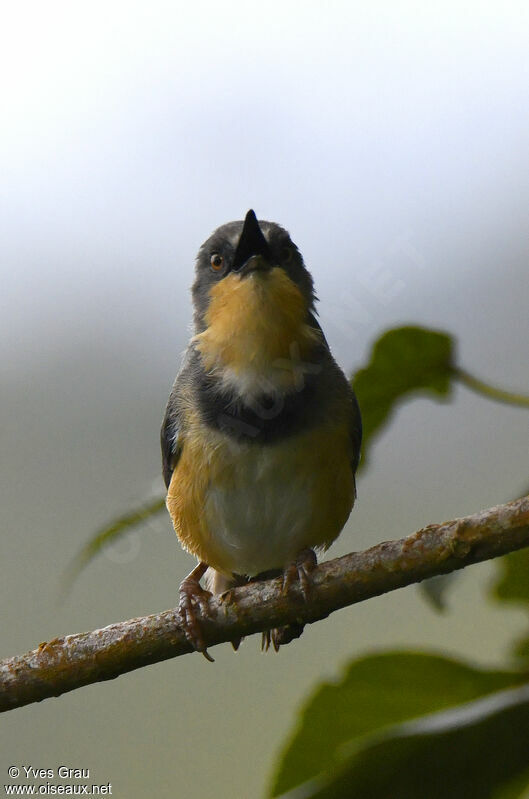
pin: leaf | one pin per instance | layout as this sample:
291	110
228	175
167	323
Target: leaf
476	751
434	590
517	788
110	534
521	648
513	585
375	693
405	360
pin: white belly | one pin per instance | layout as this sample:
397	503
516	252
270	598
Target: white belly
261	520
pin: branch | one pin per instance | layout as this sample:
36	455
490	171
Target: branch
492	392
64	664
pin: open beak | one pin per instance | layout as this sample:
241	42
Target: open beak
252	251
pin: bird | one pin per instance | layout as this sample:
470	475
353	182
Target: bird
262	432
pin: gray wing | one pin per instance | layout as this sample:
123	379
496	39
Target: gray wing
170	437
355	417
356	431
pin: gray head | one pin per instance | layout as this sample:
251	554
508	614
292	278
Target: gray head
241	248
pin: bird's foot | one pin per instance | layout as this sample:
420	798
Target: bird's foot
299	570
280	636
194	603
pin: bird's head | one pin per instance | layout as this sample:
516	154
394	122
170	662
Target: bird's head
256	253
253	299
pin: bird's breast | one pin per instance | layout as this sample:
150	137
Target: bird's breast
245	508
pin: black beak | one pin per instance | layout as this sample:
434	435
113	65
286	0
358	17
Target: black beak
252	245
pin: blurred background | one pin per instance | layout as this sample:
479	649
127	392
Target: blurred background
390	139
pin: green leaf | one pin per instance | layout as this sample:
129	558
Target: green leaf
517	788
521	648
377	692
110	534
513	584
406	360
513	587
478	750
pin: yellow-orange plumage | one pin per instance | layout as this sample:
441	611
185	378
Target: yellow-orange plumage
295	494
262	432
252	323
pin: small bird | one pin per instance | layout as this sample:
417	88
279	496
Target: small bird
262	431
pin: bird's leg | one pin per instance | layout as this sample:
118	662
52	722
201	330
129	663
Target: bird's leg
222	584
194	598
300	569
266	635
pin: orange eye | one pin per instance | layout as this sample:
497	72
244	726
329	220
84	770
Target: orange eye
217	262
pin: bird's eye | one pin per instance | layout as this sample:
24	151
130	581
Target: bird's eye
287	254
217	262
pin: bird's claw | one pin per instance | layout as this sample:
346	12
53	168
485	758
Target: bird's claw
194	602
300	570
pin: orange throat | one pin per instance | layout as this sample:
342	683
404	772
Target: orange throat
256	326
